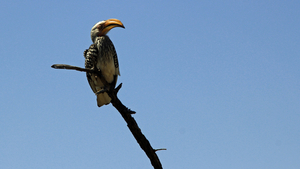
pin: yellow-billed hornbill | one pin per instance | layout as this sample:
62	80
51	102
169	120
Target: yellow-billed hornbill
102	56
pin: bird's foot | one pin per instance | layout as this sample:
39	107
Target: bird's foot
102	91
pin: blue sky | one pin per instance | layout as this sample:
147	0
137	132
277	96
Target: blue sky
214	82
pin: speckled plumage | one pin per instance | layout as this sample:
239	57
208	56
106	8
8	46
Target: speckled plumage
102	56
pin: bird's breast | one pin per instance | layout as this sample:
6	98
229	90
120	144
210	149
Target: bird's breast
107	67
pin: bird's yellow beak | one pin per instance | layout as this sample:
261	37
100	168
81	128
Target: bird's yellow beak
109	24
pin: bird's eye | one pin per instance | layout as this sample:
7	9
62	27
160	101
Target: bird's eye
100	26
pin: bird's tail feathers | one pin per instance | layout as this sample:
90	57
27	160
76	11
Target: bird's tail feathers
103	99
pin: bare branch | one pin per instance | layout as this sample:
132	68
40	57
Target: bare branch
126	114
70	67
135	130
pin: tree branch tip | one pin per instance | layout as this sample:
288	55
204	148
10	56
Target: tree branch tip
60	66
159	149
55	66
118	88
131	112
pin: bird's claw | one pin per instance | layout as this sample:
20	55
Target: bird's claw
102	91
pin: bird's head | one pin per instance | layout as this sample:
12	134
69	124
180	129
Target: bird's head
103	27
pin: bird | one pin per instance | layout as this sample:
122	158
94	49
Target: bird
102	57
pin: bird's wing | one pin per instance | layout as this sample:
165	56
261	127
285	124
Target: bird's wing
90	63
117	70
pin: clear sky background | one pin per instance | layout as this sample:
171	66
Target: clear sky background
214	82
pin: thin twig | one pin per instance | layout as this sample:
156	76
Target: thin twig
160	149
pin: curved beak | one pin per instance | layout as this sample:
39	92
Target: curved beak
109	24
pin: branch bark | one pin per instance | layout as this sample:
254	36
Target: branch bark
135	130
70	67
126	114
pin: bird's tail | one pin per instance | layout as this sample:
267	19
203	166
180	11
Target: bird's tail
103	99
